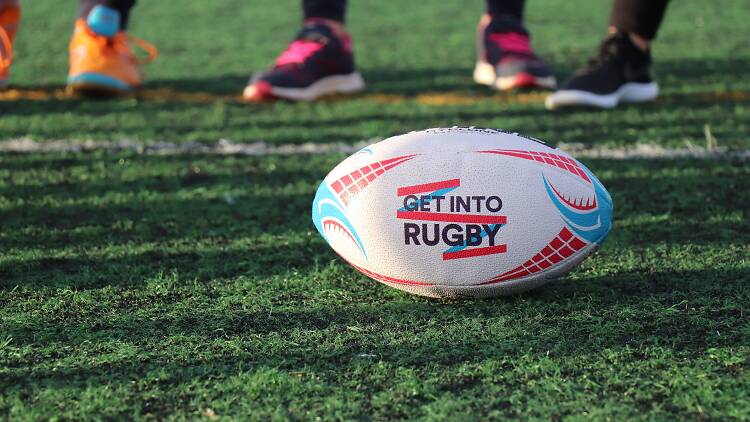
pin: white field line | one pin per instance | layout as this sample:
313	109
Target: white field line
227	147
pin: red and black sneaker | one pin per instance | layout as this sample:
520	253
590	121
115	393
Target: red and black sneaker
316	63
506	60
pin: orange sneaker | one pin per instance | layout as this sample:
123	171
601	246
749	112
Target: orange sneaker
10	15
101	59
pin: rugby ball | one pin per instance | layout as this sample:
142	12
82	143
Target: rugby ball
462	212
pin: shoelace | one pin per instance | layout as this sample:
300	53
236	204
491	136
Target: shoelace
512	42
150	49
120	41
6	52
298	51
608	51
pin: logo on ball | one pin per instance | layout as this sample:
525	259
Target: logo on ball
435	214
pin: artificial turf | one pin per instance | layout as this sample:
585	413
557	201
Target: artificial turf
137	286
195	286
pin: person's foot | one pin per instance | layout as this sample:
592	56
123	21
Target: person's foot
621	72
10	15
318	62
506	60
102	61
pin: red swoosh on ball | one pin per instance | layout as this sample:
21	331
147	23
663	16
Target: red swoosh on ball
451	218
428	187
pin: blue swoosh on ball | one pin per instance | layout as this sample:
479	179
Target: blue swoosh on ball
326	204
591	226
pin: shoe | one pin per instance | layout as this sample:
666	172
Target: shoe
506	60
101	59
10	16
316	63
621	72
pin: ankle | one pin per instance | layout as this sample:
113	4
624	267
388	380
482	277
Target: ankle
503	17
338	28
501	23
642	43
484	20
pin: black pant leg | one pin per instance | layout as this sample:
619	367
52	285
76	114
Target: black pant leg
506	7
642	17
122	6
328	9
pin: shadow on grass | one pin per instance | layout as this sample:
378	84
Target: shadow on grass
237	216
289	314
663	122
676	311
123	227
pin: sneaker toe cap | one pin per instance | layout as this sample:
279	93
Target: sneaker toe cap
257	91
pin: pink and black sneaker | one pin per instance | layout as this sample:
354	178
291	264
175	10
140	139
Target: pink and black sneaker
316	63
506	60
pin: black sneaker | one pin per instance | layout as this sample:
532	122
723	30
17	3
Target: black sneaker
506	60
316	63
620	73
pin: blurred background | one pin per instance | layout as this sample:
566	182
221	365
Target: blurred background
405	53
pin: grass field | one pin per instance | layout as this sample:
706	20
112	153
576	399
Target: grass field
195	286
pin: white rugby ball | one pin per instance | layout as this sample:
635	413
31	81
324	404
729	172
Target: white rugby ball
462	212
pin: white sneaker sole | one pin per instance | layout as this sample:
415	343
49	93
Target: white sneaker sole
484	74
337	84
631	92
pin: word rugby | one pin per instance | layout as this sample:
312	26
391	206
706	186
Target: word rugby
434	214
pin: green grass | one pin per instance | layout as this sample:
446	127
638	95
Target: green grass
155	286
195	286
